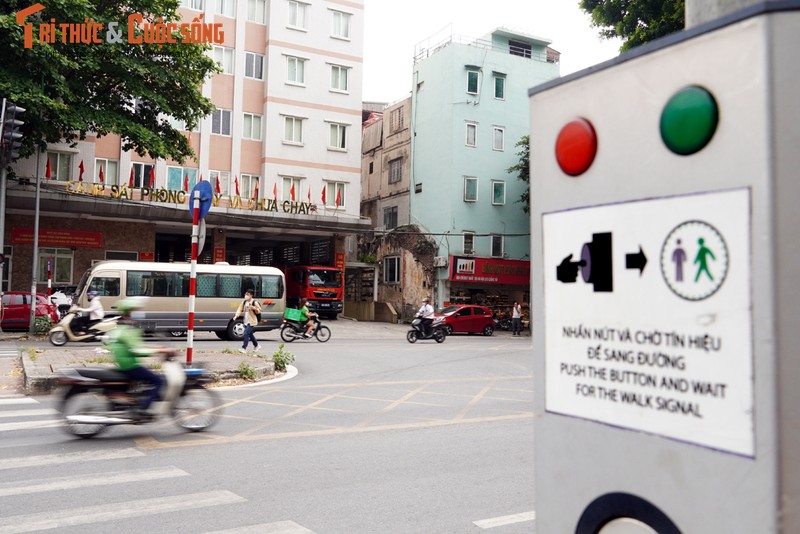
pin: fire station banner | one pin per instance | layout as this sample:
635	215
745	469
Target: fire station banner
490	271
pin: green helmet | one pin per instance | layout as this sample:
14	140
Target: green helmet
131	304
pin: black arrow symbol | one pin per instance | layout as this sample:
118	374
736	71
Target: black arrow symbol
636	260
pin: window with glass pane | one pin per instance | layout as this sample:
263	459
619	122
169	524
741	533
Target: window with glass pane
221	122
472	134
106	286
256	11
297	68
335	194
248	183
177	175
206	285
499	139
230	285
497	246
498	193
110	171
223	55
58	261
60	165
338	136
390	217
391	269
224	181
271	287
141	174
472	82
251	127
297	14
338	78
469	243
253	65
193	4
290	182
499	87
293	130
341	24
395	170
226	7
470	189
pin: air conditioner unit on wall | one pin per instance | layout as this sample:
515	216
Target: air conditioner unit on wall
440	261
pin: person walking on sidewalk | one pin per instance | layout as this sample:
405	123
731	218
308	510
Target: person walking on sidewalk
251	310
516	319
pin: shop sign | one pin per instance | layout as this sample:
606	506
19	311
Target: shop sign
169	196
340	260
51	237
147	256
490	271
219	254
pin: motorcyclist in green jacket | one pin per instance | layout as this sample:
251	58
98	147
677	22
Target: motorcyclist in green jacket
126	344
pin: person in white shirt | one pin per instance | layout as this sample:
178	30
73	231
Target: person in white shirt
95	311
426	313
516	319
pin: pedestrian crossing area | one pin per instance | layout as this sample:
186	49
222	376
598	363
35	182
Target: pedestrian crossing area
124	480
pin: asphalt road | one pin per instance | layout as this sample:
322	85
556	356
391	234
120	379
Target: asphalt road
373	435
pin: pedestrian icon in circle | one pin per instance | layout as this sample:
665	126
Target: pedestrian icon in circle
706	247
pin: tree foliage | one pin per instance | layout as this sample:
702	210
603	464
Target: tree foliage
635	21
522	170
71	89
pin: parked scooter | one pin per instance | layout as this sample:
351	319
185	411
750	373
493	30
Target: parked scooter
93	399
435	331
291	330
63	331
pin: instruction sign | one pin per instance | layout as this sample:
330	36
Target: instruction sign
648	317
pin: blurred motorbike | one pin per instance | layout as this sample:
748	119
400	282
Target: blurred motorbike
92	399
291	330
434	331
64	331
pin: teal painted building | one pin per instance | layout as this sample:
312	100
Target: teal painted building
469	109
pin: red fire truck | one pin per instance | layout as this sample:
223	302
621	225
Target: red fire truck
322	286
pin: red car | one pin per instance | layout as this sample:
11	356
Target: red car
468	318
16	312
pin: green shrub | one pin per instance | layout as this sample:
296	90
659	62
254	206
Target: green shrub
42	325
282	358
246	371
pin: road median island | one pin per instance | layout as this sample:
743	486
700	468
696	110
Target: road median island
40	366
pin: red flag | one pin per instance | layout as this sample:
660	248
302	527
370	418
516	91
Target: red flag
47	173
130	180
309	194
291	191
152	177
80	176
255	191
324	200
275	191
236	183
102	180
186	182
219	190
201	177
338	196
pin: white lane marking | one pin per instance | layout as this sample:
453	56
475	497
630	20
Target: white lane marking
115	511
52	459
18	400
505	520
27	487
279	527
24	425
24	413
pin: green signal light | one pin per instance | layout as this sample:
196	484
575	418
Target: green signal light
689	120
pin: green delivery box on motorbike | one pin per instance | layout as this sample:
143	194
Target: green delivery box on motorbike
293	314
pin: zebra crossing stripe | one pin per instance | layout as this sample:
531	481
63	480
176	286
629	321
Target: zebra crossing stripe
29	413
26	425
70	457
505	520
28	487
279	527
18	400
115	511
